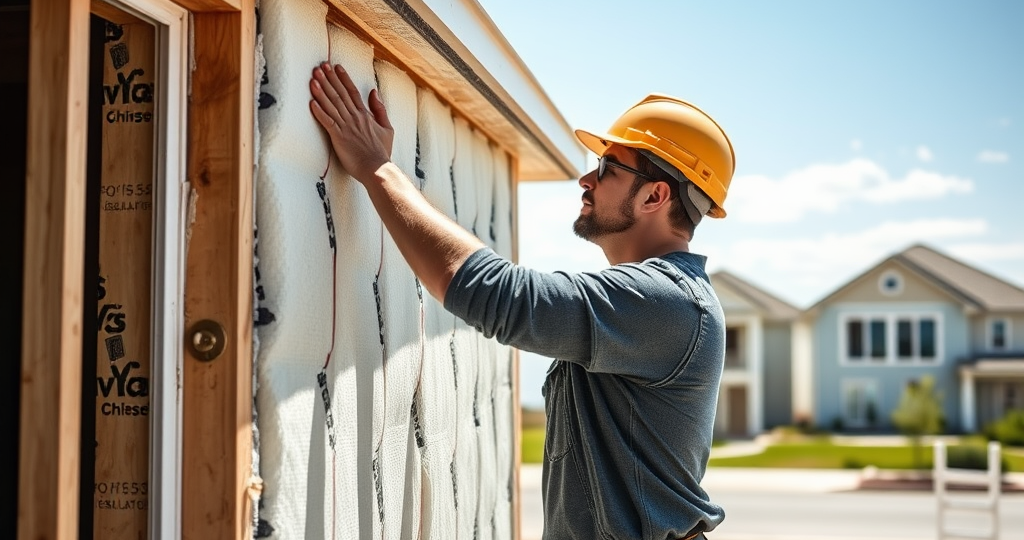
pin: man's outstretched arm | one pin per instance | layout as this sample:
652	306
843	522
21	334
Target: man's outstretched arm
433	245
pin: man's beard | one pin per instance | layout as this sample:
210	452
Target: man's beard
591	227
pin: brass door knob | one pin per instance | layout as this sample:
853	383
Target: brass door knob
206	339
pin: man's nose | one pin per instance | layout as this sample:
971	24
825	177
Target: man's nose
589	180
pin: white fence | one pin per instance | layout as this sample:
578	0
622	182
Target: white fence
986	504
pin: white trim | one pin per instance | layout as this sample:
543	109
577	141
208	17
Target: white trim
891	320
990	334
171	24
755	410
968	417
890	274
803	371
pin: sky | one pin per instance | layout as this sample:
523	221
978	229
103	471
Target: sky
860	129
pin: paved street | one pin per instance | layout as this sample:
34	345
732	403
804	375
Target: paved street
787	504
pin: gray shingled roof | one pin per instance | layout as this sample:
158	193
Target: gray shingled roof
771	307
973	286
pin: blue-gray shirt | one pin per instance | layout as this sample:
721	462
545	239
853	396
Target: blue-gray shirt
631	396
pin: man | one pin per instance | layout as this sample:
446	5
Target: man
640	346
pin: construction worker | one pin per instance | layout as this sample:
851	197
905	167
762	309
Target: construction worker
639	346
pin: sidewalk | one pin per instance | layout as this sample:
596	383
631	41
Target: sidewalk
719	479
754	480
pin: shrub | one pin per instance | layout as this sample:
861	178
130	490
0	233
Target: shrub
852	463
971	457
918	414
1009	430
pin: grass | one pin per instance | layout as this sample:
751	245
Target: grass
822	454
816	453
533	445
825	455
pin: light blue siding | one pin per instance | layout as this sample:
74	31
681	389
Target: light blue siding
778	375
833	376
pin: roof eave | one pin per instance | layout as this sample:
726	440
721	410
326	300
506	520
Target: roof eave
477	73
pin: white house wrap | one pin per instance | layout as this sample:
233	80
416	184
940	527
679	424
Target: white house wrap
379	414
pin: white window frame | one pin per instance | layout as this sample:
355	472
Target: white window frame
990	334
171	23
891	357
870	389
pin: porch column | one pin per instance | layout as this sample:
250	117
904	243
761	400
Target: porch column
967	413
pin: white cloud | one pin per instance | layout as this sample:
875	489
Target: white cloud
993	156
924	153
856	145
917	184
546	213
988	252
825	188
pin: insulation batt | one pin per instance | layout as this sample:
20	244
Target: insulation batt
380	415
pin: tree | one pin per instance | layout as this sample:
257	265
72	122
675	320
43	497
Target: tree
918	414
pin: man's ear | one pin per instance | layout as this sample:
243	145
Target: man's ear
660	195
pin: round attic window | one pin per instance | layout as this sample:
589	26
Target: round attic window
891	283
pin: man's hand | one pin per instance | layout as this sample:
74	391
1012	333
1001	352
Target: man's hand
361	137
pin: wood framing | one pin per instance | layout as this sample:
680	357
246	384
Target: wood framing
517	406
217	423
217	484
51	380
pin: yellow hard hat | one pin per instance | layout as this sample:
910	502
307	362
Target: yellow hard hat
681	134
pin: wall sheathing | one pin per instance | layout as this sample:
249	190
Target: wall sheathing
379	414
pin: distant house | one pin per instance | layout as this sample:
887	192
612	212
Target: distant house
916	313
756	383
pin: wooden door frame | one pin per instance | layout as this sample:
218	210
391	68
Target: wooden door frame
216	456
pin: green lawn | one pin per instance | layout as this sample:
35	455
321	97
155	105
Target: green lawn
811	454
533	445
822	454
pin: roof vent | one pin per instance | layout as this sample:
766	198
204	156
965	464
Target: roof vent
890	283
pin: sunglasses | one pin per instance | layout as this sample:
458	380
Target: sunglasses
603	163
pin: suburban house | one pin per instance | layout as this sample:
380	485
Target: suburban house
757	381
916	313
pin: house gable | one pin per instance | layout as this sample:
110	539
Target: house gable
740	297
891	281
732	302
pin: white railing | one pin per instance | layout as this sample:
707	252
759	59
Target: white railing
988	504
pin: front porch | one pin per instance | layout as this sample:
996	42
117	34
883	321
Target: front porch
989	387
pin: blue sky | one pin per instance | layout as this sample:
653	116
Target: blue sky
860	128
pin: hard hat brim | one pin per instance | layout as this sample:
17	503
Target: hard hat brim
598	144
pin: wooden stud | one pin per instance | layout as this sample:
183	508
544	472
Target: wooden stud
51	385
217	410
517	405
